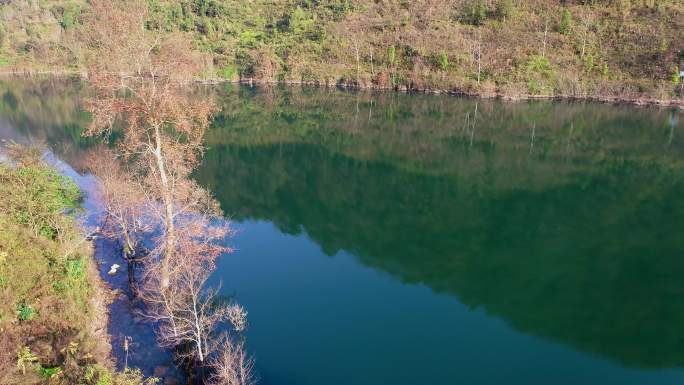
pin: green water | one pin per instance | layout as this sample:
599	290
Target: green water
409	239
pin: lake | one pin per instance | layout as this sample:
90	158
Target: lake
418	239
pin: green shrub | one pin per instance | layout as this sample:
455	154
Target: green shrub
443	61
70	16
589	63
48	373
391	55
475	12
249	39
26	312
538	64
38	197
565	25
299	21
100	375
605	70
538	71
676	76
228	72
504	9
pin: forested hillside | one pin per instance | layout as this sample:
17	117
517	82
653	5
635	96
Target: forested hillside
624	49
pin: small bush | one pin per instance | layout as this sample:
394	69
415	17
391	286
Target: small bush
538	71
26	359
676	76
504	9
475	12
25	312
605	70
538	64
565	24
70	16
589	63
48	373
228	72
100	375
38	197
443	61
391	55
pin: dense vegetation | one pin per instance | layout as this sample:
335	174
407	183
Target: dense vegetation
52	314
624	49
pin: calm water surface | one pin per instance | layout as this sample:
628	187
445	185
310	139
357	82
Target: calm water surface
408	239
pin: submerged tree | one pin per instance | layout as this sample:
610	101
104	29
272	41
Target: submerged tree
124	204
232	366
186	311
140	78
140	90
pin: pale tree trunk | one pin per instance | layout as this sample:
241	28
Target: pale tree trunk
371	62
167	198
358	65
479	61
198	330
546	32
479	55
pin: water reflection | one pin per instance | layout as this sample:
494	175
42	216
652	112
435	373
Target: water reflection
561	219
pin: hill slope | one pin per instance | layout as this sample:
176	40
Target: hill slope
627	49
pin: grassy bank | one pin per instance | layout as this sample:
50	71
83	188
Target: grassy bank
627	50
53	314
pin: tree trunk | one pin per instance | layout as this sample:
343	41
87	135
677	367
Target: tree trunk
132	284
198	330
167	198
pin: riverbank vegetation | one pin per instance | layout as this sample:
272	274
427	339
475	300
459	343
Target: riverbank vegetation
52	303
625	50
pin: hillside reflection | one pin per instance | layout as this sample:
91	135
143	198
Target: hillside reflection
563	219
571	233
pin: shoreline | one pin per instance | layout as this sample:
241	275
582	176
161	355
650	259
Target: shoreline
67	340
121	321
640	102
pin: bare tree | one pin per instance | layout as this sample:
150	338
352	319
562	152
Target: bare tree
232	366
124	204
141	89
140	78
187	312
